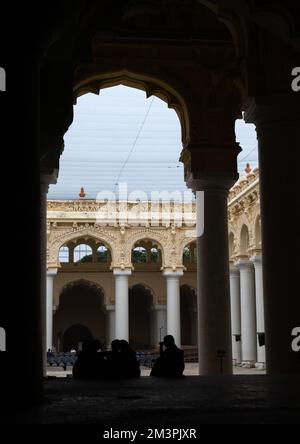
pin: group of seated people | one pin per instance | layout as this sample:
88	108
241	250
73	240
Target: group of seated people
121	362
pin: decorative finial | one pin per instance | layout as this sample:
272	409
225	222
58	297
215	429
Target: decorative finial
248	169
82	193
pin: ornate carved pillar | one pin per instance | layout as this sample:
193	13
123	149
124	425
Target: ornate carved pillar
277	122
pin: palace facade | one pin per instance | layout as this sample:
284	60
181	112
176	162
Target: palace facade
129	270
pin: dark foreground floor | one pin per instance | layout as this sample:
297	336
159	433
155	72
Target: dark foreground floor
193	400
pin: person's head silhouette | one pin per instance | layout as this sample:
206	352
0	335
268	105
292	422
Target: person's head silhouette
124	346
115	345
97	345
88	347
169	341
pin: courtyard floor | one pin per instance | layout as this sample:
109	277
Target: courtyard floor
194	400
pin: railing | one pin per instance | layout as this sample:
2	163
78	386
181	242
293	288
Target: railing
61	360
146	358
191	355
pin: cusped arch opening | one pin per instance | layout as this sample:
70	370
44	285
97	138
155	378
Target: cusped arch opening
147	251
151	86
86	248
189	254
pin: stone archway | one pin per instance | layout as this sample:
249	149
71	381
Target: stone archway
81	303
140	317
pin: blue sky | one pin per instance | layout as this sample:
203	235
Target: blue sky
120	136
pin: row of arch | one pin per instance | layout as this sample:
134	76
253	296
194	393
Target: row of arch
82	314
144	252
147	251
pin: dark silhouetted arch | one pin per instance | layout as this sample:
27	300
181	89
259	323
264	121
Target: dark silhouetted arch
74	336
140	317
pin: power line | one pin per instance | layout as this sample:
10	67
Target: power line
248	154
134	144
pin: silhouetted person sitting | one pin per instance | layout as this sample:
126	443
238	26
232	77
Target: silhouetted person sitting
170	364
86	365
111	362
129	365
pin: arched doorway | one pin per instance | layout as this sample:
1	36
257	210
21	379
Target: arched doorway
80	315
74	336
188	307
140	317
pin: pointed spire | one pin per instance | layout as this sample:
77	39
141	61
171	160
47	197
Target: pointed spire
82	193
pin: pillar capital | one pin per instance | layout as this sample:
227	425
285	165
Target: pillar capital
256	260
234	270
211	167
110	308
173	274
245	265
118	272
275	109
52	272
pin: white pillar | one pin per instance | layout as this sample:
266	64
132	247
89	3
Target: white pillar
260	312
122	303
235	297
51	273
214	317
2	340
248	314
43	248
173	305
110	324
160	323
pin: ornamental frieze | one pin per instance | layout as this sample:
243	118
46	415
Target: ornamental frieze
65	224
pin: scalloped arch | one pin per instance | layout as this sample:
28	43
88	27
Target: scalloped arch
185	243
146	286
152	87
73	282
89	232
150	235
